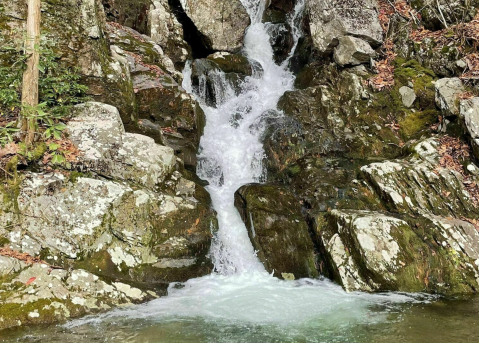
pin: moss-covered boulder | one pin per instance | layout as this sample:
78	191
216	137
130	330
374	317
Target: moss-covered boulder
278	230
366	251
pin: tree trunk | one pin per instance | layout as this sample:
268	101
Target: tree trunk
31	74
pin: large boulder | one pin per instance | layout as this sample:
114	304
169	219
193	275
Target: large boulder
221	22
332	19
367	251
353	51
277	229
107	150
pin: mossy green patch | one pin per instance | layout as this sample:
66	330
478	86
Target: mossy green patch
414	124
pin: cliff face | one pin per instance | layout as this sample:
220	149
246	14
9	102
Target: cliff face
371	159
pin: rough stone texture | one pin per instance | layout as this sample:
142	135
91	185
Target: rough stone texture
220	75
447	95
407	96
418	185
41	295
333	19
353	51
166	31
277	230
97	131
469	111
373	251
222	22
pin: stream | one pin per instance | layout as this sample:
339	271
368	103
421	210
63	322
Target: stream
240	301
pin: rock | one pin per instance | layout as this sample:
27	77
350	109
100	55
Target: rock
221	75
469	110
111	229
353	51
277	229
107	150
281	40
41	295
221	22
447	95
9	265
367	251
408	96
166	31
332	19
418	185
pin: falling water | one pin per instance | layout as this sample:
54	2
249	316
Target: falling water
231	154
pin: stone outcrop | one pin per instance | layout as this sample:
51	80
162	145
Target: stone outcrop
121	216
374	251
331	20
221	22
278	231
166	31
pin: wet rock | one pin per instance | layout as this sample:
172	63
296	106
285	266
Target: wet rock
221	22
408	96
282	41
353	51
221	75
447	95
107	150
375	251
332	19
277	229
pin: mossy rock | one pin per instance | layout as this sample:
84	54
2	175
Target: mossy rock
277	229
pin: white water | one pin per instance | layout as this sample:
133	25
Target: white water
240	290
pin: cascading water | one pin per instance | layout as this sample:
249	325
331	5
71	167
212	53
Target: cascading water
240	290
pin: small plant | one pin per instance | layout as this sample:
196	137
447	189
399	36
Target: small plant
57	155
6	134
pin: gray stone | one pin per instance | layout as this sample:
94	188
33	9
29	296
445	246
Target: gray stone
408	96
222	22
97	131
470	113
353	51
333	19
447	93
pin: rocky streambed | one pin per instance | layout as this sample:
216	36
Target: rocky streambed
369	172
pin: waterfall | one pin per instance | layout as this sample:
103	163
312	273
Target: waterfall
231	153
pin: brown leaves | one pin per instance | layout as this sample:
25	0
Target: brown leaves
28	259
385	69
66	148
8	150
387	8
453	152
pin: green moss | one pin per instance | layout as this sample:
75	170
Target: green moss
414	124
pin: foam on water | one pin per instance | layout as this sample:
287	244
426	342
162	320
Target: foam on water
230	156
